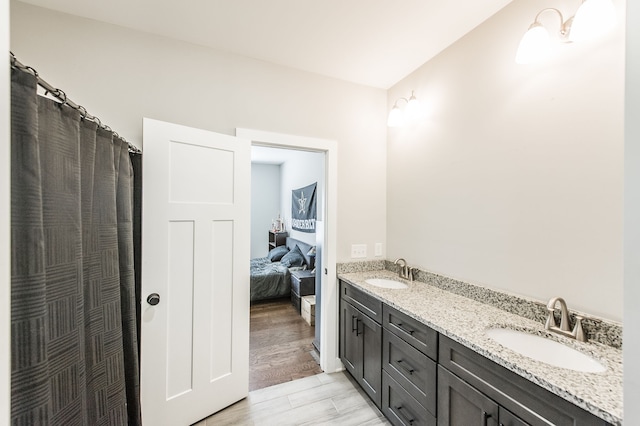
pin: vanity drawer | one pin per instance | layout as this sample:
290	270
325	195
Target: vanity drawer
400	407
412	369
412	331
366	303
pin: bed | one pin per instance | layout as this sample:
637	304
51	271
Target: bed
271	279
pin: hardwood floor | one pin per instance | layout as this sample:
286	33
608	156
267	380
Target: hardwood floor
280	346
323	399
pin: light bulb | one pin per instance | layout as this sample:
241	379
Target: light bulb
593	19
534	46
413	108
395	117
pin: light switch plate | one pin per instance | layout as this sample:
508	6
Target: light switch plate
358	250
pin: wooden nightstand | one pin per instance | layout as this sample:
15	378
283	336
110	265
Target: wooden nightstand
303	283
277	239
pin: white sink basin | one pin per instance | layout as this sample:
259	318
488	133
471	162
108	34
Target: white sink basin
385	283
545	350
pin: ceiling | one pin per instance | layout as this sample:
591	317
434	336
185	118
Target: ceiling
371	42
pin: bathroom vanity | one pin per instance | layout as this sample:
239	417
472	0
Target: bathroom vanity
423	357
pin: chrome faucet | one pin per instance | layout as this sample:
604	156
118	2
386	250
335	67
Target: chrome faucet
404	271
564	328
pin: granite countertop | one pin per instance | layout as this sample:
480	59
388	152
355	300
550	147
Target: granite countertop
465	321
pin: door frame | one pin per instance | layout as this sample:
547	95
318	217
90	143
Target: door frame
329	357
5	222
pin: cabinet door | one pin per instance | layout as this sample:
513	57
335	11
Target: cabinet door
349	339
361	349
461	404
507	418
370	335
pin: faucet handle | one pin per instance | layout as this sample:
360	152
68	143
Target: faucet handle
412	273
551	320
578	331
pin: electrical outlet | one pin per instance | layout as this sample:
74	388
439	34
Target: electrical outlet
358	250
378	249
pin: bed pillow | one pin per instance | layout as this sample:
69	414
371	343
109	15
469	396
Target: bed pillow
293	258
277	253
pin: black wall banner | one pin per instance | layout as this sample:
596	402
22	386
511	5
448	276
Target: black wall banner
303	209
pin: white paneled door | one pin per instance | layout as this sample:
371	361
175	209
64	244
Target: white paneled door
195	273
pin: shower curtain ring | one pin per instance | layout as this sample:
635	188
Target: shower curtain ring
62	96
33	71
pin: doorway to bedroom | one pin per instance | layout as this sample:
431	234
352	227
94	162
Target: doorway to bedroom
288	197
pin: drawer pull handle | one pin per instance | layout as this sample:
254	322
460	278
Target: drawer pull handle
485	416
357	326
406	367
407	418
406	330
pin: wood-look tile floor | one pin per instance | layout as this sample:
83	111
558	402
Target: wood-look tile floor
280	345
322	399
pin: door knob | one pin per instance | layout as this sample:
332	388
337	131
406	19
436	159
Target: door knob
153	299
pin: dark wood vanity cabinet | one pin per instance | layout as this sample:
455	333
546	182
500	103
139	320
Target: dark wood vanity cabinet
473	390
361	339
409	364
417	376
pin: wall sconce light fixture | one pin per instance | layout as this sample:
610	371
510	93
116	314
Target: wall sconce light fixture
593	19
397	116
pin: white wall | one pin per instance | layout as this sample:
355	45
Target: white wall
265	205
514	177
632	220
5	222
122	75
307	168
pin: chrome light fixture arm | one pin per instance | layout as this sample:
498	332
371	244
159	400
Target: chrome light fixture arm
565	26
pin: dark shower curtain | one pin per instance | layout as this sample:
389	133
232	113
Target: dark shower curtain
74	350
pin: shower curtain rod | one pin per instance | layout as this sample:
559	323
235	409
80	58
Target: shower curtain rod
62	97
